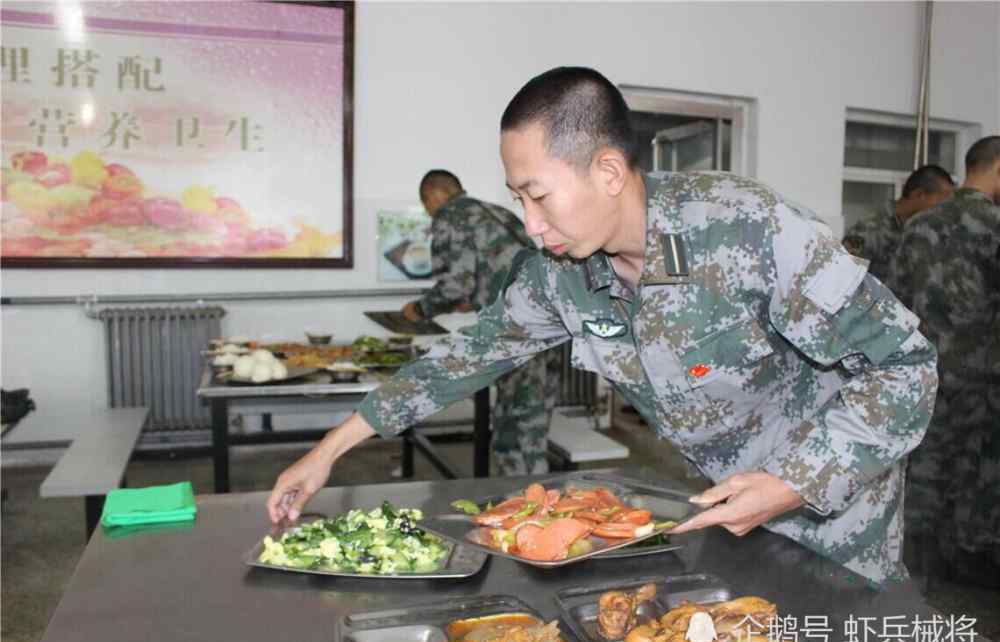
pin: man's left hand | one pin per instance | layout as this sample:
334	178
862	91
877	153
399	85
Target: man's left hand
411	312
742	502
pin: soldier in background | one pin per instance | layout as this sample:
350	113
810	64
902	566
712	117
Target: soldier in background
951	257
741	331
876	237
473	248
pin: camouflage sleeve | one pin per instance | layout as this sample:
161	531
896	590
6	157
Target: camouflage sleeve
453	256
520	323
827	306
854	239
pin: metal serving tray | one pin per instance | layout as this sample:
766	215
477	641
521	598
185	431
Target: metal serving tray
664	503
425	622
460	561
578	604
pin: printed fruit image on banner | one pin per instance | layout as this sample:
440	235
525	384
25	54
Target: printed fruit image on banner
179	134
83	206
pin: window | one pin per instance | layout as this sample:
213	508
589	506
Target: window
681	131
878	157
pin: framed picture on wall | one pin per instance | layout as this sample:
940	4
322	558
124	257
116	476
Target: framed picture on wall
404	245
177	134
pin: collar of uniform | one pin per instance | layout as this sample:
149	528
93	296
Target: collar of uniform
665	261
968	193
601	274
890	211
454	198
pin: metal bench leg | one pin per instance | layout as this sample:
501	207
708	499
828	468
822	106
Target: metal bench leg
481	434
220	444
426	448
93	507
407	463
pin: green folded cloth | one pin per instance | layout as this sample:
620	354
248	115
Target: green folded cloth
118	532
152	505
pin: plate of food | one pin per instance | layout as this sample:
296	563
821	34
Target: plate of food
568	520
694	608
262	366
488	618
386	541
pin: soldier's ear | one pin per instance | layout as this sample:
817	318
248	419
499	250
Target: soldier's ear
610	169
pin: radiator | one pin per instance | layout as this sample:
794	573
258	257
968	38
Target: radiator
154	360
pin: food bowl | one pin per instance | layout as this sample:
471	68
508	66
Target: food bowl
319	339
345	372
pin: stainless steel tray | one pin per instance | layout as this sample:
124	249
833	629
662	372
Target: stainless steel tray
578	605
460	561
425	622
664	503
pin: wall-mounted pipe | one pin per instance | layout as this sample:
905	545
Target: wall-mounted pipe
94	299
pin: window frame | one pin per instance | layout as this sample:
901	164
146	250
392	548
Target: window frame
965	134
740	111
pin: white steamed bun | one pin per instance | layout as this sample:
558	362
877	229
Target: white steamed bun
261	373
243	367
263	356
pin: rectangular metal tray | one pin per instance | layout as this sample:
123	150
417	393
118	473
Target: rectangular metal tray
578	605
425	622
664	503
461	561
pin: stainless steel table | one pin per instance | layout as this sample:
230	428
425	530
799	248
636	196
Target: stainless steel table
191	585
312	396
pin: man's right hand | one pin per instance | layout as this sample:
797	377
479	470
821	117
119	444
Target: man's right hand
300	481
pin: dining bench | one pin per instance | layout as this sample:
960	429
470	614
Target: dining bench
96	459
573	440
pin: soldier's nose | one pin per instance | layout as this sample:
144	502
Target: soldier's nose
534	225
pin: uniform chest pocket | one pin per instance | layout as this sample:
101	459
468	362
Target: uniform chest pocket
731	368
616	361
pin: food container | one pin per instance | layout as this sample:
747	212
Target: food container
341	372
460	561
578	605
318	339
664	503
428	622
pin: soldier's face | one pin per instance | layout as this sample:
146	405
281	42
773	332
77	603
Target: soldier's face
563	205
433	199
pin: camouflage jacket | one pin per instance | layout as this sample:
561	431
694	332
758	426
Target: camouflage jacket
474	244
876	239
753	342
948	266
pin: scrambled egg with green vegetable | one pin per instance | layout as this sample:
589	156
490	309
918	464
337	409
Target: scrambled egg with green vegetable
383	541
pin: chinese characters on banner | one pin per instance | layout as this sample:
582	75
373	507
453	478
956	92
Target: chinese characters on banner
154	135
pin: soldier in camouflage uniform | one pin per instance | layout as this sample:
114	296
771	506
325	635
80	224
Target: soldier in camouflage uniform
951	258
737	326
876	238
474	244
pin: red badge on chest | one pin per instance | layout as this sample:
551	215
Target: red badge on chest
699	371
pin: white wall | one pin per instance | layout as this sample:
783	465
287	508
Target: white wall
432	80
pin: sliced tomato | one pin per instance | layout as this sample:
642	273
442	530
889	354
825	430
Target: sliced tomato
635	516
622	530
496	515
590	516
552	542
